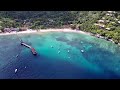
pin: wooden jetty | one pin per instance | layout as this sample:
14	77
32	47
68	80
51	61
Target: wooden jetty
28	46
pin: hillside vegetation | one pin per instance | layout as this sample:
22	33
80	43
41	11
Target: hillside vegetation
105	24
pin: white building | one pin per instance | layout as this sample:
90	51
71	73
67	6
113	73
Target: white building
108	14
118	21
107	28
110	11
101	21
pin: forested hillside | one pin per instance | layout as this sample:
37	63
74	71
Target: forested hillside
101	23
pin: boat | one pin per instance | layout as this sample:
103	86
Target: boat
82	50
15	70
81	42
58	51
17	55
33	51
68	51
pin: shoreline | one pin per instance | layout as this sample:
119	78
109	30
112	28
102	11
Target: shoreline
58	30
45	30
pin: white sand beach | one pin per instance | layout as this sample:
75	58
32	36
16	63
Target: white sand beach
46	30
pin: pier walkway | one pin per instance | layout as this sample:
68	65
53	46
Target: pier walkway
28	46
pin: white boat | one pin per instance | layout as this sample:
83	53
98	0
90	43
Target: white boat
51	46
68	51
81	42
15	70
82	50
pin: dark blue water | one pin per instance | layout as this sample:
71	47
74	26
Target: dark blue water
100	59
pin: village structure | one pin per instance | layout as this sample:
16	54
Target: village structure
102	22
14	29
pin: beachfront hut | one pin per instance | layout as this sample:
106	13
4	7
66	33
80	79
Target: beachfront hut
14	29
10	29
23	29
100	25
0	31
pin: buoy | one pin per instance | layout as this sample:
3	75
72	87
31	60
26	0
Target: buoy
15	70
82	50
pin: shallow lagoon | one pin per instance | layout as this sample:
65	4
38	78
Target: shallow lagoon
100	59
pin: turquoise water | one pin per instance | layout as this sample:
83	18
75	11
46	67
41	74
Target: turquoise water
100	59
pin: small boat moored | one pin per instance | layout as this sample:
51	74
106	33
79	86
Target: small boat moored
15	70
68	51
17	55
82	50
51	46
58	51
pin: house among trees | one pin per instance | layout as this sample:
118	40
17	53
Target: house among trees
0	31
101	21
107	21
107	28
111	11
14	29
108	14
100	25
103	18
119	22
116	19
